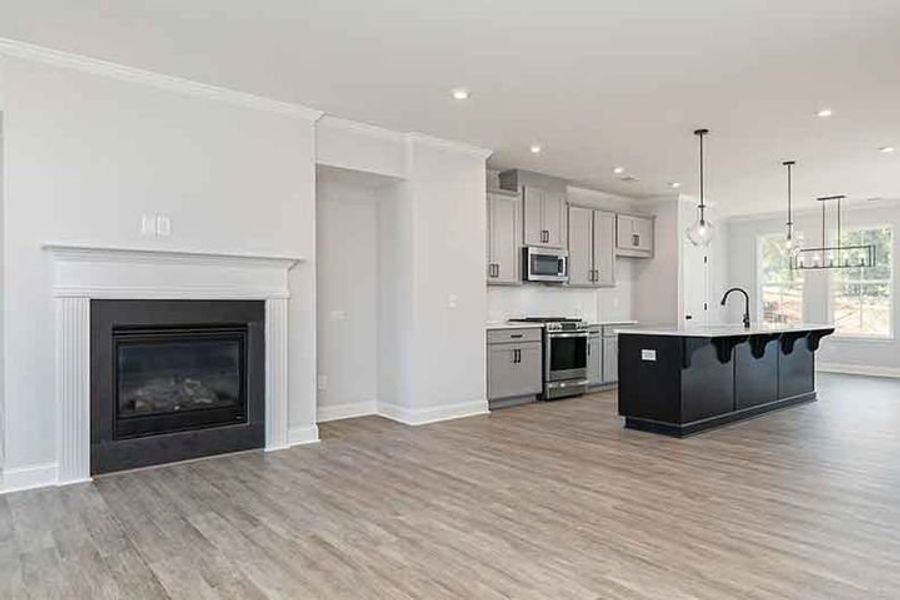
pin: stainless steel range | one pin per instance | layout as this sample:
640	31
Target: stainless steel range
565	355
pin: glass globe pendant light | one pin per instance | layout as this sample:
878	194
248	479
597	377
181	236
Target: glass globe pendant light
793	242
701	232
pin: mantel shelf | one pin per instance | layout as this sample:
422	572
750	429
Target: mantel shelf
76	251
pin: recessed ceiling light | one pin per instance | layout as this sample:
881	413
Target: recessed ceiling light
886	149
674	185
619	170
824	113
460	94
535	149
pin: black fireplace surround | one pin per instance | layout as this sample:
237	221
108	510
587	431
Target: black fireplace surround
175	379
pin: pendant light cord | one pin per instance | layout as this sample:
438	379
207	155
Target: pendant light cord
700	133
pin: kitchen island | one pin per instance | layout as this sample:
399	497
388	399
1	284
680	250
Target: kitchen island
682	381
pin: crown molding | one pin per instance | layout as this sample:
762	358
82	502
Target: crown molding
331	121
436	142
103	68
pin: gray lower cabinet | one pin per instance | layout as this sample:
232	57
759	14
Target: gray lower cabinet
610	359
514	364
594	357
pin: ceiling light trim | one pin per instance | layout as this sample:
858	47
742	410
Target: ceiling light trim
120	72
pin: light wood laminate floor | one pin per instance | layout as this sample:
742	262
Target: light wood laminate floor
543	501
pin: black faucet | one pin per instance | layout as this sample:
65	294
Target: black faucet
746	304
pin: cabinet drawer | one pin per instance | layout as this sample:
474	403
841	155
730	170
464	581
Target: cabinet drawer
517	336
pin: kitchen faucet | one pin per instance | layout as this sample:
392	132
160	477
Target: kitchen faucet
746	304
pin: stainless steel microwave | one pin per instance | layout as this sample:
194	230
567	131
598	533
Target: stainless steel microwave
545	264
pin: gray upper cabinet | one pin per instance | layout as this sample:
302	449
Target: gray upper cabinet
634	236
545	217
504	218
545	207
581	246
591	247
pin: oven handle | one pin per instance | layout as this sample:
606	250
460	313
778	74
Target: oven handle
568	334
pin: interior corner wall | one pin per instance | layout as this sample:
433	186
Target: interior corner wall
347	296
657	294
86	156
396	299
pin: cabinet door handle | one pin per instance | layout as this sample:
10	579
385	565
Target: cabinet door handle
517	356
589	350
635	239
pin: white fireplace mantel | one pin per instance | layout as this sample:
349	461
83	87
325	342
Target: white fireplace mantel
85	272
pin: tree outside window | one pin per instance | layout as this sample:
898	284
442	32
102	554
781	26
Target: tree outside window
781	288
862	297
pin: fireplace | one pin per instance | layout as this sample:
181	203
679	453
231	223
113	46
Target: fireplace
175	379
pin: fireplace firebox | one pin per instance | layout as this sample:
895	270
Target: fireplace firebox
175	379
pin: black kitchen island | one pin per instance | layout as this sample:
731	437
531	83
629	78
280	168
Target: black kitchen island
682	381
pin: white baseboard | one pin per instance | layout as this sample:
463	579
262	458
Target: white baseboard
307	434
347	410
421	416
27	478
858	370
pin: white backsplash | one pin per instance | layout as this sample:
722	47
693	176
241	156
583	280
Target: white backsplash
530	299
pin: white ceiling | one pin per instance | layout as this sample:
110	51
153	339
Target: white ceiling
596	83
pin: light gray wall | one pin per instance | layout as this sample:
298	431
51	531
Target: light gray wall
347	293
2	296
85	156
743	267
657	282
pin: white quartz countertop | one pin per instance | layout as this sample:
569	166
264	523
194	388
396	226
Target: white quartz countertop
519	325
513	326
725	330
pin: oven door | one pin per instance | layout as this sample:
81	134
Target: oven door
566	354
542	265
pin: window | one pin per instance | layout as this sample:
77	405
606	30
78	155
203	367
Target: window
780	291
861	298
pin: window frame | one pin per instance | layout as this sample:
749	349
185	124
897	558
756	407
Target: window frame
760	283
875	337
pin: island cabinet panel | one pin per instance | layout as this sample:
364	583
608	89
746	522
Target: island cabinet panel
707	386
796	374
756	379
682	382
650	369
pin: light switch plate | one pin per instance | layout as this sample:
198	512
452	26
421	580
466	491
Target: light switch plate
163	226
148	225
322	382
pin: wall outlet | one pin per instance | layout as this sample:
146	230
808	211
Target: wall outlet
163	226
337	315
451	301
322	382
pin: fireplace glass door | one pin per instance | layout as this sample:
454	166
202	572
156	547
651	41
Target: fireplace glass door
172	379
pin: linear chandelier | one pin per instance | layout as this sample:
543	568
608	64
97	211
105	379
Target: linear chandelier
837	256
